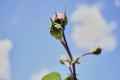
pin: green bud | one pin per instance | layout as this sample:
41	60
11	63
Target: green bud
56	30
97	51
64	59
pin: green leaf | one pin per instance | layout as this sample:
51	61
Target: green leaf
56	30
52	76
69	78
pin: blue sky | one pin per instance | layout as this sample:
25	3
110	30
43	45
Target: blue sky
28	51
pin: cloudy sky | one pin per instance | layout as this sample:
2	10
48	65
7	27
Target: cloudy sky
28	51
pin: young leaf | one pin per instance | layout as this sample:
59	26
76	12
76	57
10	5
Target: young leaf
69	78
56	30
52	76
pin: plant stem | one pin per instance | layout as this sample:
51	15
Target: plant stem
70	56
64	45
70	70
74	72
68	50
81	55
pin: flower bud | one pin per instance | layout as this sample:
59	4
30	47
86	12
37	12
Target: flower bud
97	51
60	19
64	59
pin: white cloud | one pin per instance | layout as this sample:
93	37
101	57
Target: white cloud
5	47
117	3
91	29
39	75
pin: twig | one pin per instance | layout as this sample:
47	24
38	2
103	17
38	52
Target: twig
68	50
74	72
70	55
81	55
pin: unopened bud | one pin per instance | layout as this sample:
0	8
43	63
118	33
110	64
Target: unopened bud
60	19
97	51
64	59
